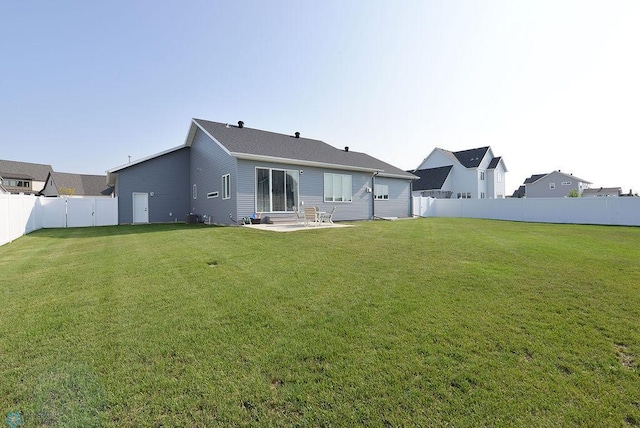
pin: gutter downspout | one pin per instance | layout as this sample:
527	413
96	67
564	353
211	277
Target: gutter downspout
373	195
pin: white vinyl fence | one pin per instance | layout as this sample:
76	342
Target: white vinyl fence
22	214
624	211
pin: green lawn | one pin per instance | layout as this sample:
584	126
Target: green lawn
421	322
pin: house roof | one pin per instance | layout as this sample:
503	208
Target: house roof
431	178
534	178
249	143
24	170
602	191
519	192
78	184
537	177
471	158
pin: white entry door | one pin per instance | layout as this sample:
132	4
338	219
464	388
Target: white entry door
141	208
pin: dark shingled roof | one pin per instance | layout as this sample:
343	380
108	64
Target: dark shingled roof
24	170
248	141
494	162
534	178
431	178
77	185
471	158
518	193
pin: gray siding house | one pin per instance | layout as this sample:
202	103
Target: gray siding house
555	184
226	172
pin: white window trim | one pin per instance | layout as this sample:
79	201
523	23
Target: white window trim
211	195
566	183
383	191
552	186
194	192
342	179
226	186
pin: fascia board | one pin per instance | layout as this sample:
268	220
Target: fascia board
262	158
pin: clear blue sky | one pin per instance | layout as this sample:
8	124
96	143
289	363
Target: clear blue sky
547	84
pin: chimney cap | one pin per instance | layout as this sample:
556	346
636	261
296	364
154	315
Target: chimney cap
240	124
346	148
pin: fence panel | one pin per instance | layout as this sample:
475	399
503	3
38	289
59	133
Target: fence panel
22	214
624	211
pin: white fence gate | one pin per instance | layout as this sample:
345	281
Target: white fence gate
623	211
22	214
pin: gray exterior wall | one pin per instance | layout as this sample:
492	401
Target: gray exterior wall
209	162
167	177
311	191
399	202
542	187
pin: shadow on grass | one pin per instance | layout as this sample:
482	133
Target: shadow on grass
101	231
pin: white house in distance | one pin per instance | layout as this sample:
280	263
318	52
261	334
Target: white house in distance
467	174
555	184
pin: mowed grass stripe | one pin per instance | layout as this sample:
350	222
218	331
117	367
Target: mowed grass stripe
421	322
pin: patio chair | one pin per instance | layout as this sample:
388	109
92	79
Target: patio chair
311	215
299	215
328	217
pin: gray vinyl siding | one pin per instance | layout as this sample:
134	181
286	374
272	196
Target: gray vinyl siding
209	162
167	177
399	202
311	191
542	188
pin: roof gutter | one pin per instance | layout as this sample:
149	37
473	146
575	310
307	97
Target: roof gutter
249	156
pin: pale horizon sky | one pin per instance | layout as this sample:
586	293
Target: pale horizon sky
547	84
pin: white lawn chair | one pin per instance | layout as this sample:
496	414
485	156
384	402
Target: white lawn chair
328	217
311	216
299	215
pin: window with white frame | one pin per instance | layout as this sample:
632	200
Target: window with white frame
481	195
381	192
566	183
337	188
464	195
276	189
194	192
499	177
481	175
552	186
226	186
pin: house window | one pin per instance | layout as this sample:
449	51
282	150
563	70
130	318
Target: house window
276	189
464	195
382	192
552	186
481	175
481	195
226	186
499	177
194	192
566	183
17	183
212	195
337	188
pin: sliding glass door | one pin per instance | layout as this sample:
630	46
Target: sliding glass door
276	190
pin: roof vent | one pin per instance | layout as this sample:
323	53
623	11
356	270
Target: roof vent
297	135
346	148
240	124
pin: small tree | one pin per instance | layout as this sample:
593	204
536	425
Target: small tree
573	193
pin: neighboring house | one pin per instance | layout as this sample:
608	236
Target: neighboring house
602	191
65	184
227	172
23	177
555	184
466	174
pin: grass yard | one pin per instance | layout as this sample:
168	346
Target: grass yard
423	322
